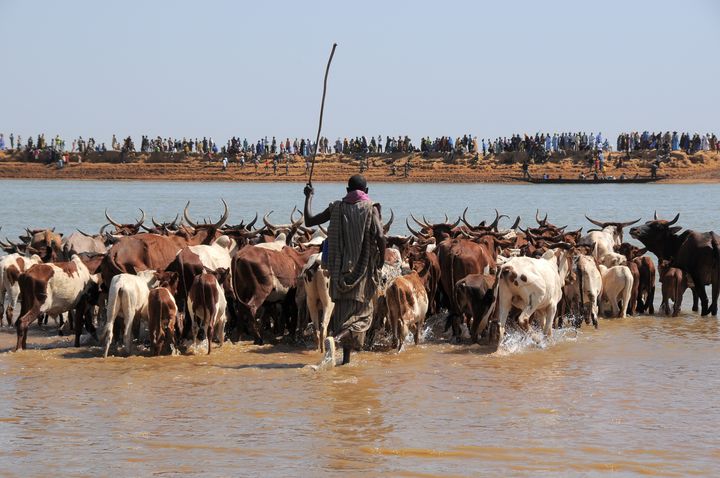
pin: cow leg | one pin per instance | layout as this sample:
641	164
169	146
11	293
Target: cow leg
715	291
208	335
128	334
108	335
651	299
22	325
702	294
695	299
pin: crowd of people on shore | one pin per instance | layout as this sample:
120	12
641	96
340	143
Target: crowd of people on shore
538	147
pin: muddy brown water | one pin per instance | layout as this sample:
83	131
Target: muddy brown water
638	396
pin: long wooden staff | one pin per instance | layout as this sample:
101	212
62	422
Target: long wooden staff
322	108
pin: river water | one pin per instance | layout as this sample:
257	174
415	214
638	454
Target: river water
638	396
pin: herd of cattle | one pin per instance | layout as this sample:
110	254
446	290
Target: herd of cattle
184	281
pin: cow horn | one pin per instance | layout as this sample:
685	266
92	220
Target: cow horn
674	220
102	229
186	215
497	220
386	227
299	222
414	232
155	223
84	233
174	222
268	224
447	219
250	225
107	216
142	219
142	226
537	217
464	218
516	224
597	223
419	223
292	215
625	224
655	216
455	224
224	217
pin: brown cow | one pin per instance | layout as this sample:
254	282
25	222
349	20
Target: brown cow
674	284
407	304
207	306
266	275
475	296
162	313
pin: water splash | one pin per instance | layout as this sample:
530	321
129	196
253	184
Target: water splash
518	341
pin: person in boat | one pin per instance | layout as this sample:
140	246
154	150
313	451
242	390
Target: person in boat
355	254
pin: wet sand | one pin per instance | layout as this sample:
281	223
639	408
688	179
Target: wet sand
698	168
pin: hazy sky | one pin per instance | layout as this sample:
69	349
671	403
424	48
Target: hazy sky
94	68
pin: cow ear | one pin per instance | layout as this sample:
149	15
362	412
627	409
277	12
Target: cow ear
675	229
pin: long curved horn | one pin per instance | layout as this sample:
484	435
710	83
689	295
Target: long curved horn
494	225
250	225
84	233
537	217
155	223
174	221
674	220
102	229
427	223
299	222
292	214
268	224
516	223
145	228
142	219
597	223
413	231
107	216
186	215
224	217
464	218
447	219
419	223
386	227
629	223
455	224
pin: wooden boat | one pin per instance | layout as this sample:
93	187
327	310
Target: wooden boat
587	180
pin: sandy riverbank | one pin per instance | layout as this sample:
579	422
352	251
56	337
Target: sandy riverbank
682	168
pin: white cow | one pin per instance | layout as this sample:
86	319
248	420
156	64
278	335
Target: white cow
52	289
617	285
127	298
604	240
218	255
11	266
589	284
316	284
532	285
612	259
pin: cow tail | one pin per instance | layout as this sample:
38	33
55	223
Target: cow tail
452	295
580	273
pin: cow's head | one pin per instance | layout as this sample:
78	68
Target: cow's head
169	280
613	228
657	235
127	229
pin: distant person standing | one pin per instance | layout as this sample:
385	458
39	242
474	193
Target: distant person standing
224	163
12	141
2	142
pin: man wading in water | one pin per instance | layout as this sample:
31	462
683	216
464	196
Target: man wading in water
353	254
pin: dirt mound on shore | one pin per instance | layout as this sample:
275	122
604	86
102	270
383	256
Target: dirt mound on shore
699	167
